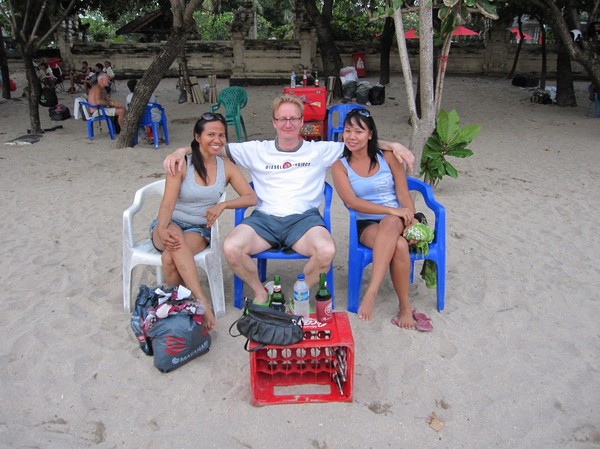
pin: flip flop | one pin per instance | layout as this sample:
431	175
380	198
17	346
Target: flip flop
423	323
423	326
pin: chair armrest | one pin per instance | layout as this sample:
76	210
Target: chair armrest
327	206
438	210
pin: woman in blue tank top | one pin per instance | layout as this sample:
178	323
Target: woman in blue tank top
190	205
374	185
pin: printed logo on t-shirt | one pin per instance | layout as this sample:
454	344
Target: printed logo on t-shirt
286	165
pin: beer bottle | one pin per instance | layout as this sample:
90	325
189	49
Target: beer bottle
277	298
323	301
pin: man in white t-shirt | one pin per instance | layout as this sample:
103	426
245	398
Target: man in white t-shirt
289	176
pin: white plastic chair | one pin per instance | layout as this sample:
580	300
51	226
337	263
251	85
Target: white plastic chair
144	253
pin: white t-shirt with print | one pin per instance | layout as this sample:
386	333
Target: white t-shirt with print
286	183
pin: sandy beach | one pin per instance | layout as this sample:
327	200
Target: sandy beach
513	360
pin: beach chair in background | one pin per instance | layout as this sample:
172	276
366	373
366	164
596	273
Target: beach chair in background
360	256
281	254
146	120
233	99
59	83
338	111
96	116
142	252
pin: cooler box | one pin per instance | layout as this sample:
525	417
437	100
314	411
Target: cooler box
318	369
314	99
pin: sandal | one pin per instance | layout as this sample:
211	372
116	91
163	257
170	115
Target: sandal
422	321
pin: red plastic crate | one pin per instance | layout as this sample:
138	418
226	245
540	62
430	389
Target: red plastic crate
306	371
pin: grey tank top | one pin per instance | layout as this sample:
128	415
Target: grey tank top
194	199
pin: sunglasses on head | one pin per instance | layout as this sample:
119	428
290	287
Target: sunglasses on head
364	112
209	116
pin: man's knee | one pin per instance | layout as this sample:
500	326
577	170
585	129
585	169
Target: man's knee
232	249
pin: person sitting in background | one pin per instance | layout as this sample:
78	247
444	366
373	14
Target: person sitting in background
45	75
79	77
109	70
92	79
190	206
155	113
373	183
98	95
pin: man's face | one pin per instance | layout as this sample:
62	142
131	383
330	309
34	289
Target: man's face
287	120
103	81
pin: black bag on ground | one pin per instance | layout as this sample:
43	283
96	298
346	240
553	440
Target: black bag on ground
377	94
174	340
362	92
59	112
349	90
267	326
48	97
525	81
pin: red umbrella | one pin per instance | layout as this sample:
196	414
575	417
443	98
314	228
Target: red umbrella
518	36
464	31
411	34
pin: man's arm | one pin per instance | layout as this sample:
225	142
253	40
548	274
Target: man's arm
403	154
176	160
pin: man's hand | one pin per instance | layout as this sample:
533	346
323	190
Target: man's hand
404	155
174	162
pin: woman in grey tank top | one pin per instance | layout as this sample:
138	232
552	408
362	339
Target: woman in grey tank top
190	206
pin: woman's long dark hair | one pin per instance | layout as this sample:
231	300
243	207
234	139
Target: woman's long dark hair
197	158
363	119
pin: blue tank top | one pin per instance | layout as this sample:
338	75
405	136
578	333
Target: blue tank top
379	188
194	199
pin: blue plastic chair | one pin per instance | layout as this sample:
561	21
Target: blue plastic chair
146	120
333	132
97	116
261	258
233	99
595	106
359	256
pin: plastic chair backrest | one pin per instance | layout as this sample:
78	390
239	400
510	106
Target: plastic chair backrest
262	257
360	256
233	99
339	110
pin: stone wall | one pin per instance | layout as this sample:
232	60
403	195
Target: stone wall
248	62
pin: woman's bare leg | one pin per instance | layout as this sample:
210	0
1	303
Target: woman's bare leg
378	237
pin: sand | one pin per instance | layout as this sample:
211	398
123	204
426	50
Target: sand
513	360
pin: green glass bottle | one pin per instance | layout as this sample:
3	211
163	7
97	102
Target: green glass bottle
277	298
323	301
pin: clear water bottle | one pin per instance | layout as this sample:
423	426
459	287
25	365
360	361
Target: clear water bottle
301	298
293	80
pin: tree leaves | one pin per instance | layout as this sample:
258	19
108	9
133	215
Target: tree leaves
448	139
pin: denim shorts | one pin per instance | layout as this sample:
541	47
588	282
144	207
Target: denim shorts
283	232
201	230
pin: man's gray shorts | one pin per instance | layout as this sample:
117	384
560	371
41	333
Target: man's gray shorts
283	232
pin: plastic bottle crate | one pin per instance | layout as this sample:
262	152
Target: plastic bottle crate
318	369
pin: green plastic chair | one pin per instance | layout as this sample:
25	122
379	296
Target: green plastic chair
233	99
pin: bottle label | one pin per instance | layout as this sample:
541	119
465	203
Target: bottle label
301	296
